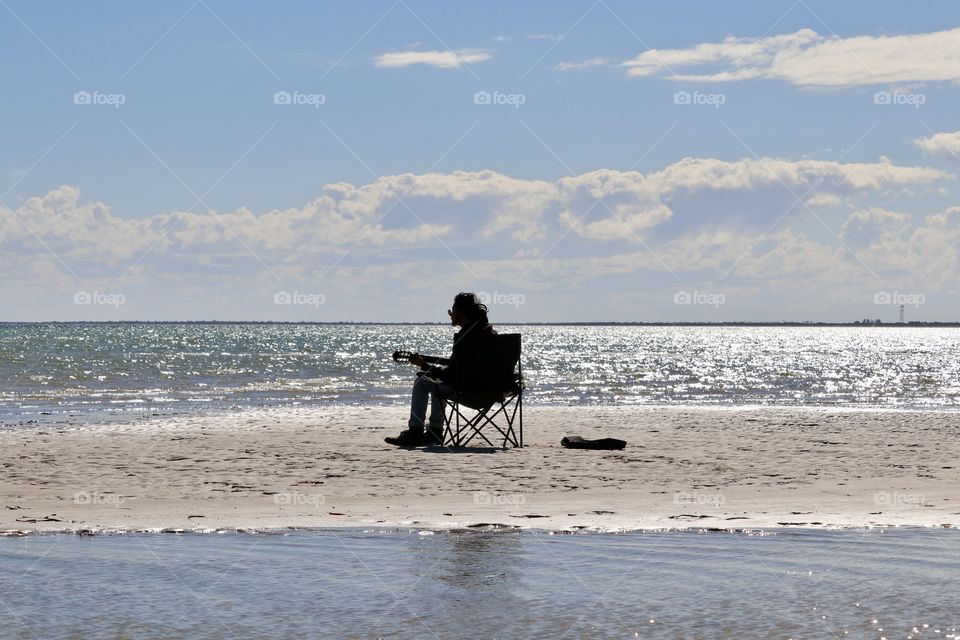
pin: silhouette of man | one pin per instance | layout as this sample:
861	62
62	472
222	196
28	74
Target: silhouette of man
436	381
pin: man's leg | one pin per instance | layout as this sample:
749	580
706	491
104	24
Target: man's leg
437	410
418	403
424	389
413	436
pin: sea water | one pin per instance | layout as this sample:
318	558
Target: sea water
98	371
898	583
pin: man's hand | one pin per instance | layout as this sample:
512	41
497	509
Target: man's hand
417	360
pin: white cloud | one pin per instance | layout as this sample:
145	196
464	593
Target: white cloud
806	58
443	59
944	144
873	226
58	222
747	55
83	234
824	200
634	202
583	64
922	253
545	36
783	263
623	223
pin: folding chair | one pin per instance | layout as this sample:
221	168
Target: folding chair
494	393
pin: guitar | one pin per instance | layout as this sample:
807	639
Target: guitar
407	356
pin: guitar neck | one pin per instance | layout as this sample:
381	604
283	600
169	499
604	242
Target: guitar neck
407	356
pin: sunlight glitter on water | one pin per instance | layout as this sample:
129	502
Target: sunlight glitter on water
82	367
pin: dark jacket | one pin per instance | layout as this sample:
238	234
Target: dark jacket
468	365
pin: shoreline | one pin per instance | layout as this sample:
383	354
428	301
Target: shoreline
91	419
480	528
684	468
913	324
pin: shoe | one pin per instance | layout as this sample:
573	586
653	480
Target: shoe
434	435
408	438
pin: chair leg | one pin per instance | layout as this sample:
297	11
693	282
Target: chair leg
487	418
508	435
447	431
477	432
511	435
462	435
453	433
520	404
472	424
456	434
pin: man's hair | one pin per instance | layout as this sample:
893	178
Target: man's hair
469	305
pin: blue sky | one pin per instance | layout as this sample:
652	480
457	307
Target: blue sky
635	161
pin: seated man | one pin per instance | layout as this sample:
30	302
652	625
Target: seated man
438	380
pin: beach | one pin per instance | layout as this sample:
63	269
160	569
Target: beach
233	481
320	467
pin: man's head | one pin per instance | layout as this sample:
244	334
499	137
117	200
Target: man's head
466	309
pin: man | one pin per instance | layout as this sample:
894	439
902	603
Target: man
437	381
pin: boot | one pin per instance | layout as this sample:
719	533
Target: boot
434	435
408	438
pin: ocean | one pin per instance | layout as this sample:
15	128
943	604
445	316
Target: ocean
94	372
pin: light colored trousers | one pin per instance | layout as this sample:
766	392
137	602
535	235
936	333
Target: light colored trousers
423	389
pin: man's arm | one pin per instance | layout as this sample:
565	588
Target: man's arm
431	366
422	361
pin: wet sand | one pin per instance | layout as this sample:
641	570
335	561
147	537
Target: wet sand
329	467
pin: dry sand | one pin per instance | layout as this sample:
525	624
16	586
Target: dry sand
329	467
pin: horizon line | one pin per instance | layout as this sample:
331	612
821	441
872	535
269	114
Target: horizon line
636	323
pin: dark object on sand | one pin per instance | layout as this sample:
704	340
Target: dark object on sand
576	442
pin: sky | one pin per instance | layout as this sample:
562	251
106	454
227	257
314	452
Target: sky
568	161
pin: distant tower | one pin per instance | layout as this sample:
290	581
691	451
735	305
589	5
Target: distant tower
901	314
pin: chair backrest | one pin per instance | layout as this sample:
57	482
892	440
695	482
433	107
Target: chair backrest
493	367
508	357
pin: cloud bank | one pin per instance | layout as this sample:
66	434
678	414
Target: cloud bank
464	215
